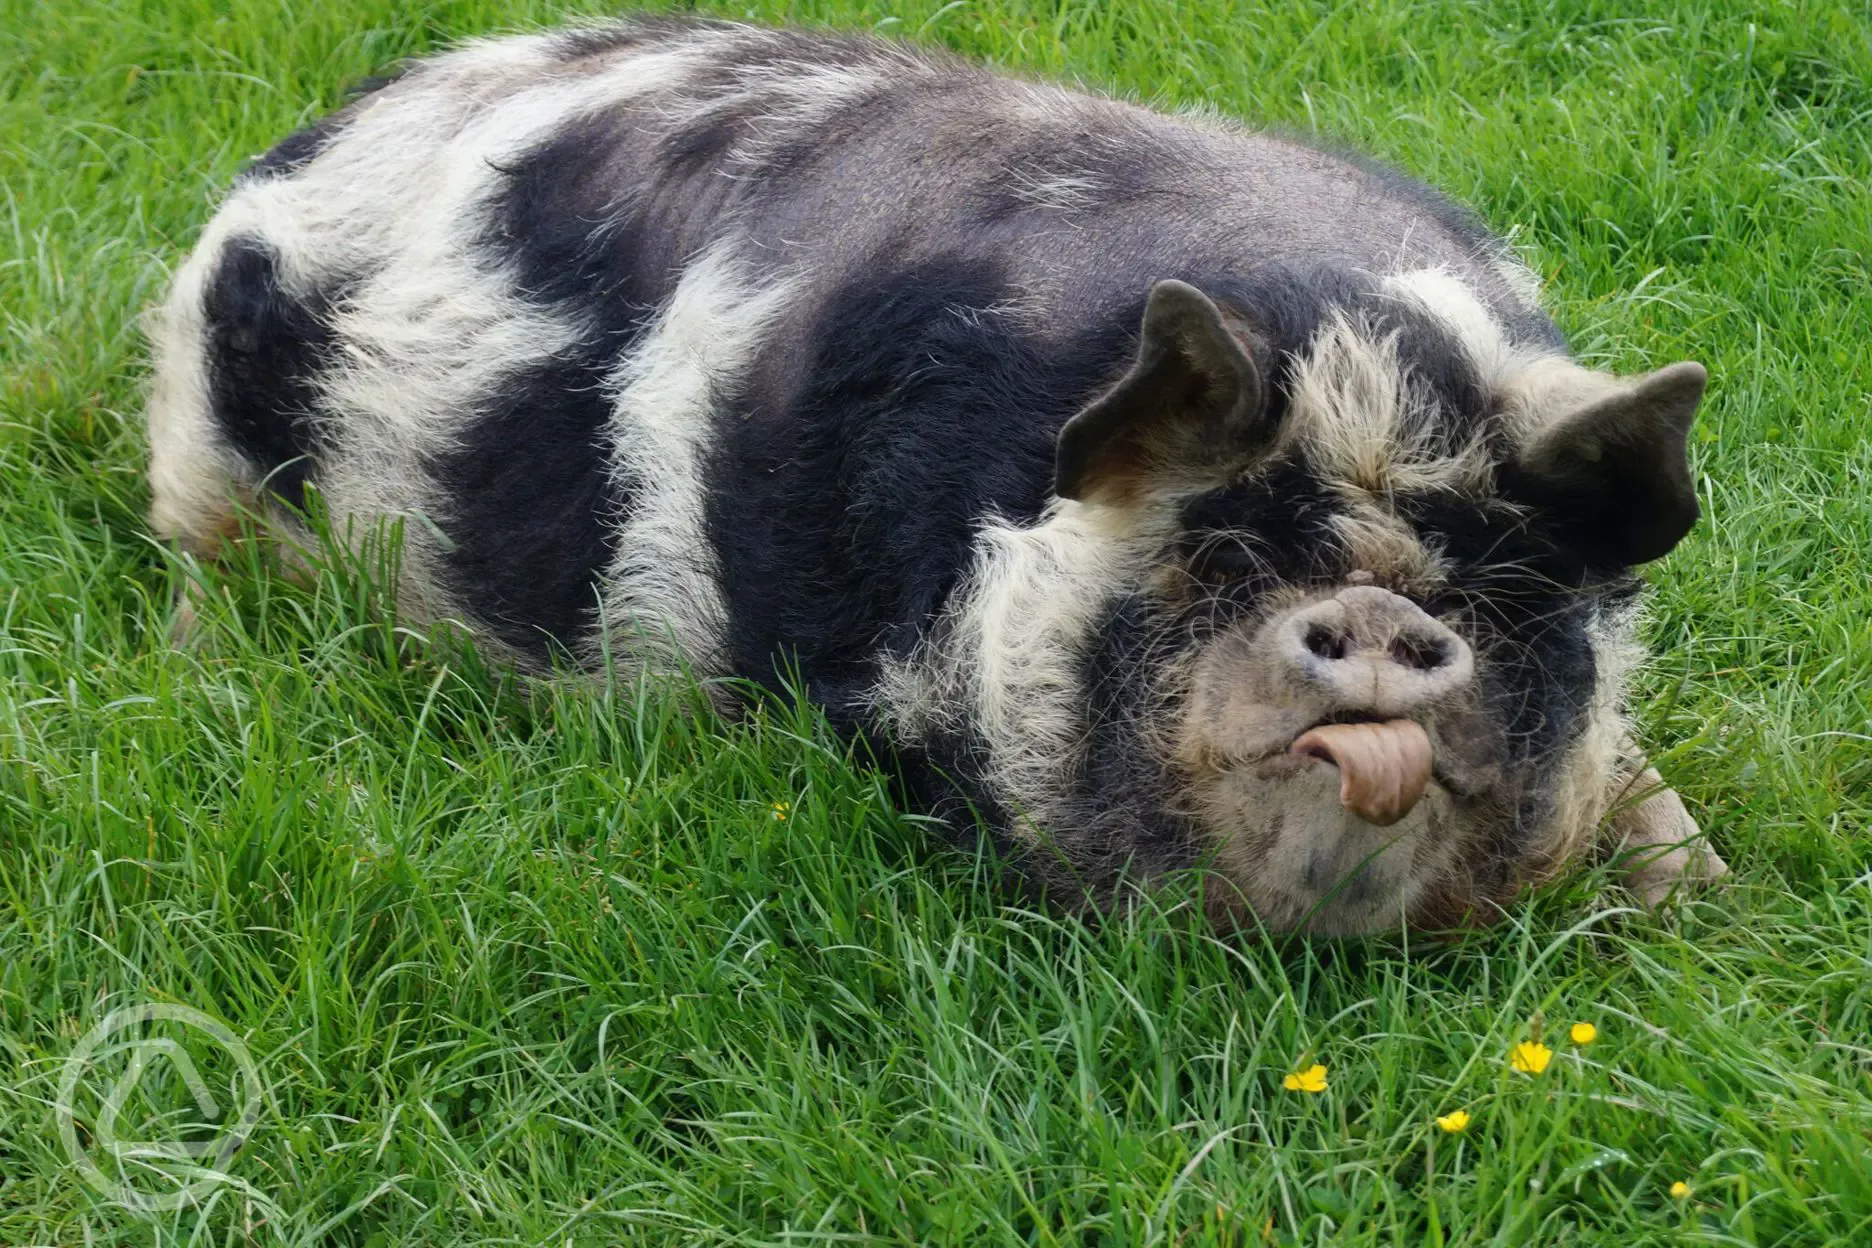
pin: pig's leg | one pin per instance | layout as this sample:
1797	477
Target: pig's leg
1657	842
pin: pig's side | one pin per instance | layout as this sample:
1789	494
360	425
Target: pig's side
1173	495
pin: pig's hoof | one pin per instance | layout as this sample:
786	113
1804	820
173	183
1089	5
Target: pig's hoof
1664	877
1663	852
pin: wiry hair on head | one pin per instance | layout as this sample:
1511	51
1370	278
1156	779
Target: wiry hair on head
1369	427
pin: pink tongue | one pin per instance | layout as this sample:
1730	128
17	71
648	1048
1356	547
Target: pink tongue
1383	768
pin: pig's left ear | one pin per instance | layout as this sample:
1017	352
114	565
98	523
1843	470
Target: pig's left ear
1617	470
1191	411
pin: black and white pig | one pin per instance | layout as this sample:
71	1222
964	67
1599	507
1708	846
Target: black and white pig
1172	495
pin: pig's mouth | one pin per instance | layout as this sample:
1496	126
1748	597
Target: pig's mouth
1384	766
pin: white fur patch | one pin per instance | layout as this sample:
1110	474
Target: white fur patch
1005	662
662	599
1517	275
1059	192
1365	427
1550	388
192	473
1451	300
1376	540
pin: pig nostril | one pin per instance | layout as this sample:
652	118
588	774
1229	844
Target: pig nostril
1324	642
1425	654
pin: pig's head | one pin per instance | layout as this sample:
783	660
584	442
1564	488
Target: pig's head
1367	605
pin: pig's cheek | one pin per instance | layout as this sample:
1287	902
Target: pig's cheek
1229	721
1249	806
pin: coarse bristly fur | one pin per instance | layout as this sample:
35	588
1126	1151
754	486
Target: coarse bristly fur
1083	456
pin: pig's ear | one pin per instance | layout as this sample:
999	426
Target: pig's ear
1617	469
1191	411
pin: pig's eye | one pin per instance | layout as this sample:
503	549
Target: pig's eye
1220	562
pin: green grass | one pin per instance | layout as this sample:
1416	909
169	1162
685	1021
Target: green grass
541	966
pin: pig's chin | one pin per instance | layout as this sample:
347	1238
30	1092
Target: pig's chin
1384	766
1303	861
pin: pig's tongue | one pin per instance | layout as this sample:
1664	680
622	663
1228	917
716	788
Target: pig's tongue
1383	768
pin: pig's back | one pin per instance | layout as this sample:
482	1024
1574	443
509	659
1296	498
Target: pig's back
727	339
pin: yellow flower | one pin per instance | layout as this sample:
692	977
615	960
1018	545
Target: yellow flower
1312	1079
781	810
1681	1190
1530	1057
1583	1033
1452	1123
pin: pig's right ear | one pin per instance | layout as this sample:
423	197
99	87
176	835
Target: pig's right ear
1192	411
1618	469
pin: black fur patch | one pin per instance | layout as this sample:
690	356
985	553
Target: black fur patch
1272	531
265	350
1529	601
843	506
531	505
1122	785
568	224
700	148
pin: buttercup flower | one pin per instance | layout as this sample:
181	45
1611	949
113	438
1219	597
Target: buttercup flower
1454	1122
1530	1057
1681	1190
781	810
1312	1079
1583	1033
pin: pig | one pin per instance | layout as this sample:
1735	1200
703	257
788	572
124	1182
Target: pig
1164	498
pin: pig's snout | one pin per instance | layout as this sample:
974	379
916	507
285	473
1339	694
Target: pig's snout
1369	650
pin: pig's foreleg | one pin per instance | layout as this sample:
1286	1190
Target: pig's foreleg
1653	838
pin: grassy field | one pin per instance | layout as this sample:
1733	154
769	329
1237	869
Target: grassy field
561	966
